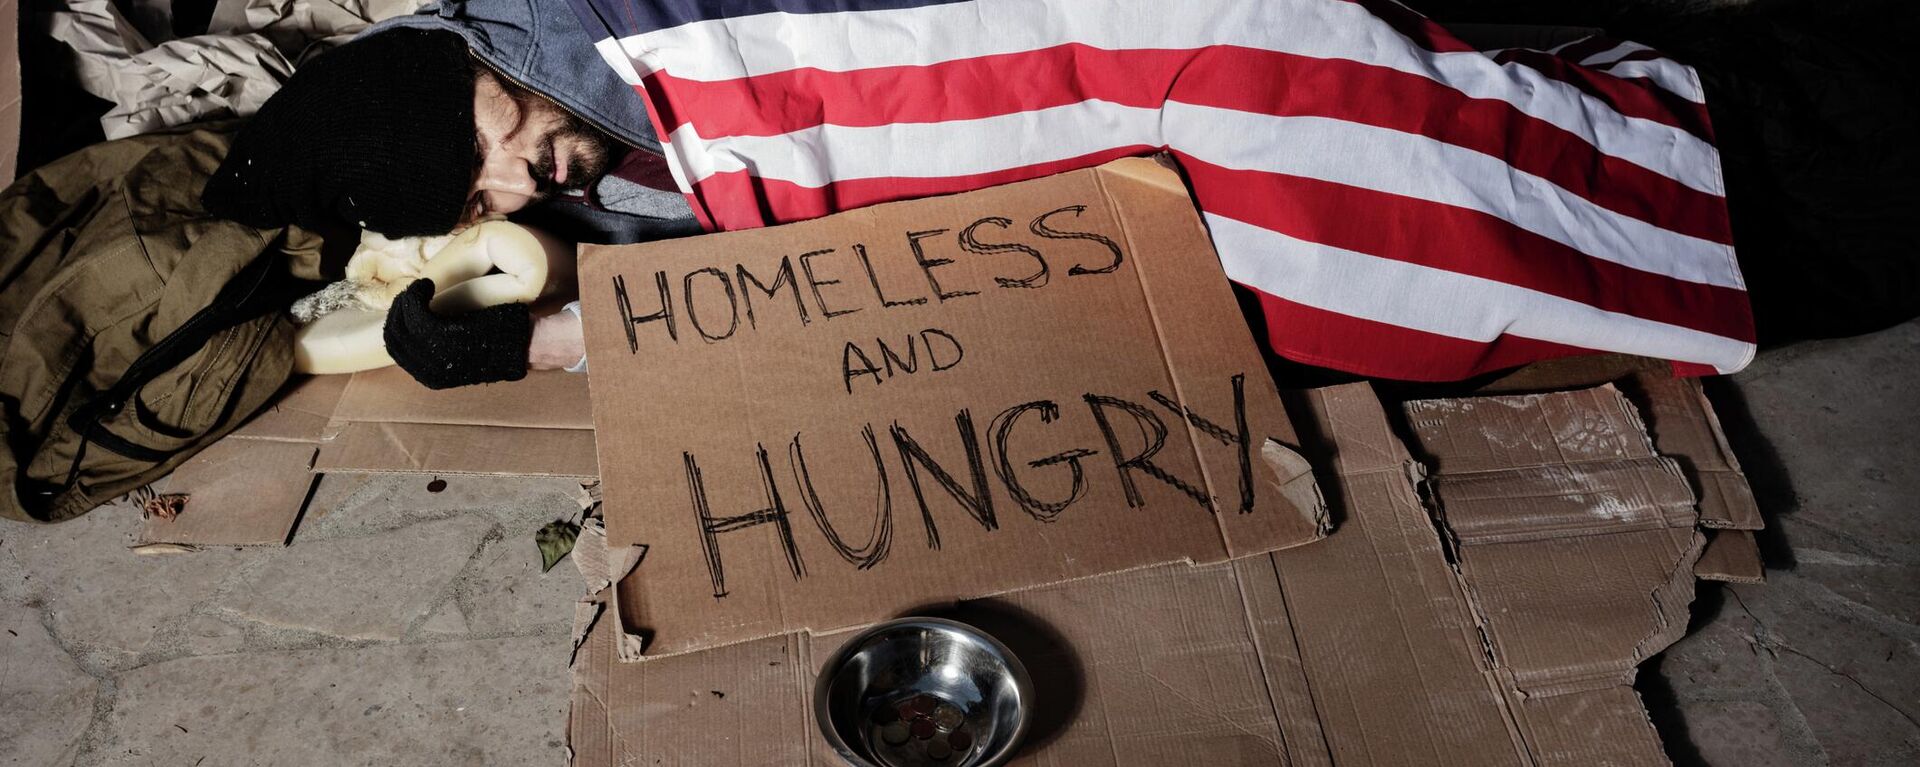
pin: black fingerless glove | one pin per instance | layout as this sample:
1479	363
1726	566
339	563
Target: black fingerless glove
481	346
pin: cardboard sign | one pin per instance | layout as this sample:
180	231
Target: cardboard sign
817	425
1401	639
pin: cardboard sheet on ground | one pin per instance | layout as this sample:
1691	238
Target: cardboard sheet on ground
1502	636
817	425
387	422
250	488
1685	428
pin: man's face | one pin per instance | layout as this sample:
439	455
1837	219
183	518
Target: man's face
526	148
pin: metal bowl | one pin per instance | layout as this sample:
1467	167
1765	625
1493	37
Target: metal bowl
923	692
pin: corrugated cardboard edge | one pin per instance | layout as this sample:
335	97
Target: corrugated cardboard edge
1560	640
374	447
1159	175
1732	556
300	413
1683	425
9	89
591	733
385	423
1377	612
1297	484
601	567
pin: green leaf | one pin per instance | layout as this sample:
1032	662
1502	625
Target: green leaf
555	542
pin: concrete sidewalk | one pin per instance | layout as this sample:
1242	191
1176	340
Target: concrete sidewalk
403	627
409	627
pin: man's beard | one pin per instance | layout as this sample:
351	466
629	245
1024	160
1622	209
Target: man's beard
589	154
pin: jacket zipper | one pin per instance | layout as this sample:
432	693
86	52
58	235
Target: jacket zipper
138	372
199	375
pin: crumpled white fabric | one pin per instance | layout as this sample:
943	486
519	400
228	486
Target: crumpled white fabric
295	26
228	72
172	83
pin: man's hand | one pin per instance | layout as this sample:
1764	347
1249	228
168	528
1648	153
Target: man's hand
481	346
558	342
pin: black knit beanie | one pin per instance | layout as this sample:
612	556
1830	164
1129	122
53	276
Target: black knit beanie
376	134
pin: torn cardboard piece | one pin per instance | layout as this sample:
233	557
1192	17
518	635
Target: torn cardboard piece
1575	541
1685	428
388	423
600	567
1732	556
1368	647
1518	467
251	487
818	425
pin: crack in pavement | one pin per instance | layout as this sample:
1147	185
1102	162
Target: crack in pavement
1763	638
1857	683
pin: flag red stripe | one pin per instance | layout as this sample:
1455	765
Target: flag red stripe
1290	86
1458	240
1330	339
1381	97
1387	228
730	196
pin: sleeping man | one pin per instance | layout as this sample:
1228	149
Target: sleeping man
428	123
145	283
1796	156
411	132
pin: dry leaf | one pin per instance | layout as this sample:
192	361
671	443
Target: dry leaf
555	542
164	506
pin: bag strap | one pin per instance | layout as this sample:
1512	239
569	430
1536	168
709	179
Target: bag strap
263	286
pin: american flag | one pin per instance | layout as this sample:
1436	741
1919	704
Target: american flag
1403	205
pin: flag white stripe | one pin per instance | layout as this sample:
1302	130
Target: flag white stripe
1447	303
621	59
817	156
1417	166
775	42
1329	150
1672	76
1619	49
1665	73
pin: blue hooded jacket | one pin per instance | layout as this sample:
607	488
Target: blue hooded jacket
541	47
